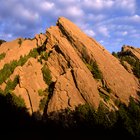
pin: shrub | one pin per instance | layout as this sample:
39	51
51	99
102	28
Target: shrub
2	55
115	54
7	71
44	55
43	103
2	41
46	75
19	41
9	68
93	67
33	53
15	100
42	92
11	84
133	62
105	97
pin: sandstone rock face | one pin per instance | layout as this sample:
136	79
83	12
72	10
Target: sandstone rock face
41	38
62	58
65	95
14	50
30	81
114	74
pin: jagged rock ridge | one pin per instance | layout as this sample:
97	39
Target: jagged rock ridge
64	68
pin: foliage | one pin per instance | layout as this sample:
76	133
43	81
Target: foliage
33	53
7	71
125	121
2	55
10	85
115	54
2	41
19	41
93	67
133	62
42	92
46	75
44	55
136	68
43	102
15	100
9	68
105	97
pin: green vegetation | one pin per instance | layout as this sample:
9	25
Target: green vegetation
10	85
15	100
115	54
11	98
2	41
46	75
43	102
8	69
43	56
135	63
41	92
2	55
104	96
48	92
125	121
130	59
19	41
93	67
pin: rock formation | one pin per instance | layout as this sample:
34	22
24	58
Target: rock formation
64	68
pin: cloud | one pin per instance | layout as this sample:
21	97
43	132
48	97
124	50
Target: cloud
46	6
90	32
104	31
124	33
107	20
74	11
128	5
98	4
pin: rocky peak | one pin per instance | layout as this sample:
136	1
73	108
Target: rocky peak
64	68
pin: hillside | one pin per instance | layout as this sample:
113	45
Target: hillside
55	73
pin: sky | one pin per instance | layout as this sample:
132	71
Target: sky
113	23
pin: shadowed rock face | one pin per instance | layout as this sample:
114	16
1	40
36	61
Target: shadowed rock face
80	69
133	51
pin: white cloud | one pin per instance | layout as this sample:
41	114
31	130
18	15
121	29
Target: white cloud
135	18
68	1
101	41
124	33
104	31
74	11
96	17
90	32
47	5
26	14
105	19
127	5
98	4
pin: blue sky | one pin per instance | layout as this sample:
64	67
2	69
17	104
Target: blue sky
113	23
